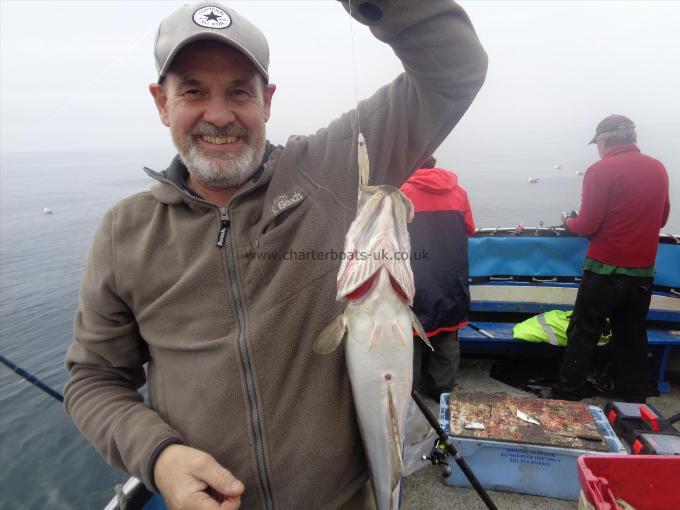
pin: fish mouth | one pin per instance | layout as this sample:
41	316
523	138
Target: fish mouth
363	289
397	288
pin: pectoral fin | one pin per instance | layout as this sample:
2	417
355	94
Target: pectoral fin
420	330
329	339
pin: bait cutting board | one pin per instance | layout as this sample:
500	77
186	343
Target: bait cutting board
561	423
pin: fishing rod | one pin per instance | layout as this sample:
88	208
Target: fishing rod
32	379
444	441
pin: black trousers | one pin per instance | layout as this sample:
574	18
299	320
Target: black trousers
625	301
435	372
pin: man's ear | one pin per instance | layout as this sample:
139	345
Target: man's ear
267	94
161	100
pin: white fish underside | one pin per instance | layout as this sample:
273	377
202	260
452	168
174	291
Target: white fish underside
378	325
379	352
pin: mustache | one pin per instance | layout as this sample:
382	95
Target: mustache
208	129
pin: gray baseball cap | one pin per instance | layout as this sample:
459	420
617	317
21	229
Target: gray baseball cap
212	21
611	123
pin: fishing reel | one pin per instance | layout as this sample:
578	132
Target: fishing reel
438	457
442	446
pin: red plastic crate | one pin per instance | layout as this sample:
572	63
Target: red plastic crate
647	482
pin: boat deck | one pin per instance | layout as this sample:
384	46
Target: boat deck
661	342
426	488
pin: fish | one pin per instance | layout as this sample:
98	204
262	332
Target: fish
375	282
525	417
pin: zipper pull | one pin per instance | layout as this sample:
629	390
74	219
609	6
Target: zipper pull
224	222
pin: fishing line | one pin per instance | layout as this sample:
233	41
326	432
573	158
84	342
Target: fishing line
354	64
90	84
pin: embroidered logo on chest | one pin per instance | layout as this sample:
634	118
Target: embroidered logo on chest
283	202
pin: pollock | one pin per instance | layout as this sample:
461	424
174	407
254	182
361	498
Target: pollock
376	284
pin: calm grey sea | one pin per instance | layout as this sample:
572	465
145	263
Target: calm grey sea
45	463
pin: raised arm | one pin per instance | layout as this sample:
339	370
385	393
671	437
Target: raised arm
406	120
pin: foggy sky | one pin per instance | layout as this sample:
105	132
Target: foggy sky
74	75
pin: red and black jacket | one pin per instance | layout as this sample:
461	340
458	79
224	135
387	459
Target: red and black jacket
439	253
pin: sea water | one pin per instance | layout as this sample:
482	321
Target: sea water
45	462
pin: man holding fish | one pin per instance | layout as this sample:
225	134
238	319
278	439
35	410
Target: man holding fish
189	279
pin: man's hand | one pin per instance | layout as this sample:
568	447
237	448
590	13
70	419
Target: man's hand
191	479
566	215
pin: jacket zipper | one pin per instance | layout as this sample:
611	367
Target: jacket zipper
224	240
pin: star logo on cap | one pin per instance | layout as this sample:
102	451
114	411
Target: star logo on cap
211	17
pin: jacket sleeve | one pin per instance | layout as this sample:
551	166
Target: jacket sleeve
106	369
666	211
593	205
469	220
406	120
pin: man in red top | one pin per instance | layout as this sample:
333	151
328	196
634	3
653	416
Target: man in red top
439	231
624	204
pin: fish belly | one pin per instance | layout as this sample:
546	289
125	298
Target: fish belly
380	368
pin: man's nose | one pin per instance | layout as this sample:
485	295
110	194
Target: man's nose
219	112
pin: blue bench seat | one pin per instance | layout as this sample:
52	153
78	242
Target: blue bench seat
661	341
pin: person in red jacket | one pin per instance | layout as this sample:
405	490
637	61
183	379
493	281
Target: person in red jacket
439	230
624	204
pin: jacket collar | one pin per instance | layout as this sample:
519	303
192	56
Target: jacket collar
621	148
176	175
177	171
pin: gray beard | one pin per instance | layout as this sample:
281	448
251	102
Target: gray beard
220	170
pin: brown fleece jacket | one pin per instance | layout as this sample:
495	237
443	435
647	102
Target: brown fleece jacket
226	332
